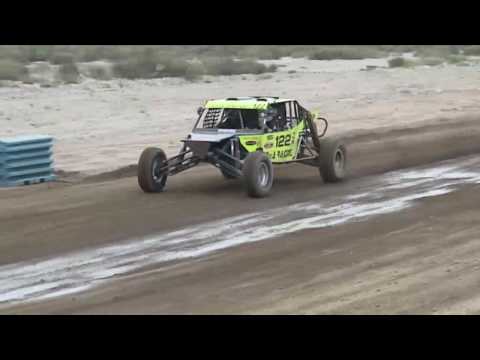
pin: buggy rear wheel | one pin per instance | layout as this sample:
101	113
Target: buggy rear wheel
258	174
333	160
150	177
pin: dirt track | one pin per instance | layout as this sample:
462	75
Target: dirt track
422	259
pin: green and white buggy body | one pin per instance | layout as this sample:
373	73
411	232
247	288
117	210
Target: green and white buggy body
244	138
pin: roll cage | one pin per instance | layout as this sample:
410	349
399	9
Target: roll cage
276	116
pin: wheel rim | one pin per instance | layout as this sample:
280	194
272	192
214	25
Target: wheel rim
339	162
263	175
156	176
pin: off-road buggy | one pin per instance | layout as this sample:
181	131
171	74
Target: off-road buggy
243	137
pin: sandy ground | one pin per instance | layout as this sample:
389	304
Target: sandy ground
399	236
100	126
382	242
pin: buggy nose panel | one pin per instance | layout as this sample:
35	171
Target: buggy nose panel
215	137
200	144
199	148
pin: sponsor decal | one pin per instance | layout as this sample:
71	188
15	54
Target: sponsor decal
281	154
268	145
251	142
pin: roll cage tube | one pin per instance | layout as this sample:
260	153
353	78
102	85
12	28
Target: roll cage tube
221	117
298	112
200	111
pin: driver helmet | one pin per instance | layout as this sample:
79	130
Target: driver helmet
270	116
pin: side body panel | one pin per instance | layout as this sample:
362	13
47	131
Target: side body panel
279	146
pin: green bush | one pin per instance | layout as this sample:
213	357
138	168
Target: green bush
127	53
432	61
62	58
151	61
194	71
89	53
174	67
12	70
264	51
346	53
454	49
264	77
100	73
473	50
31	53
69	73
432	51
456	59
220	66
11	52
135	69
128	70
143	66
26	79
397	62
397	48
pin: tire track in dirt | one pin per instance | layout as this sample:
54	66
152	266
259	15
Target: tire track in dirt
80	271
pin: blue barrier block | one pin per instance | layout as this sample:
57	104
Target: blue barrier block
26	160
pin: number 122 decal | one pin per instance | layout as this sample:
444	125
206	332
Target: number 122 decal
284	140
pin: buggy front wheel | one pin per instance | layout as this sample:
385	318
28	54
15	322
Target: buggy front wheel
258	174
333	160
151	176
